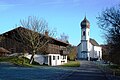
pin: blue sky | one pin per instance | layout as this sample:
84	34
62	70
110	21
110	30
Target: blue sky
64	15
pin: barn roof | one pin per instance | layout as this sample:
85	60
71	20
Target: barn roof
53	40
3	50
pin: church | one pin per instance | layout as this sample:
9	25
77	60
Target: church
88	49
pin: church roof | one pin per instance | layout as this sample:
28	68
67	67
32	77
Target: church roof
93	42
85	23
85	20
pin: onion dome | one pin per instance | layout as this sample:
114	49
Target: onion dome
85	23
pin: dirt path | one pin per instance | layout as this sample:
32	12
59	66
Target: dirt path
87	71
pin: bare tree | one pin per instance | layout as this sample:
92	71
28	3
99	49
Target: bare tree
64	37
109	21
36	36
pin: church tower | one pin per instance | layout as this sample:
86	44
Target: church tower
88	49
85	36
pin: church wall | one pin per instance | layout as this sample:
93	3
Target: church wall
82	34
79	52
98	52
84	46
86	49
95	51
91	47
87	33
85	36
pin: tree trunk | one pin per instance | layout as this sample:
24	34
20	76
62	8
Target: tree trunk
32	57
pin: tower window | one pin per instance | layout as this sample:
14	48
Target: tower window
83	33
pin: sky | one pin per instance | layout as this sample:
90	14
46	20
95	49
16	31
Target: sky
63	15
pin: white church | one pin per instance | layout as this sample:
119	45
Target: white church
88	49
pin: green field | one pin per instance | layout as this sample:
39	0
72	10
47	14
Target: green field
72	64
20	61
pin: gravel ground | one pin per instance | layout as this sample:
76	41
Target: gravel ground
87	71
11	72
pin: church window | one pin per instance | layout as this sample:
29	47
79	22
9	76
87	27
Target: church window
83	33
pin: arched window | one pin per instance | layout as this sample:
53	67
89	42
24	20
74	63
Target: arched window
83	33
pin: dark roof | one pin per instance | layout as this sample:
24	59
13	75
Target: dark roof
58	42
3	50
85	20
85	23
53	40
93	42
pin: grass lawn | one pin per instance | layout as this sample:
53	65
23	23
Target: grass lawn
115	69
72	64
20	61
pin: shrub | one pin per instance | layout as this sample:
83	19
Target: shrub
72	54
21	61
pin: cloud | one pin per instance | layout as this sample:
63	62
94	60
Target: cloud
59	2
53	2
9	5
6	6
